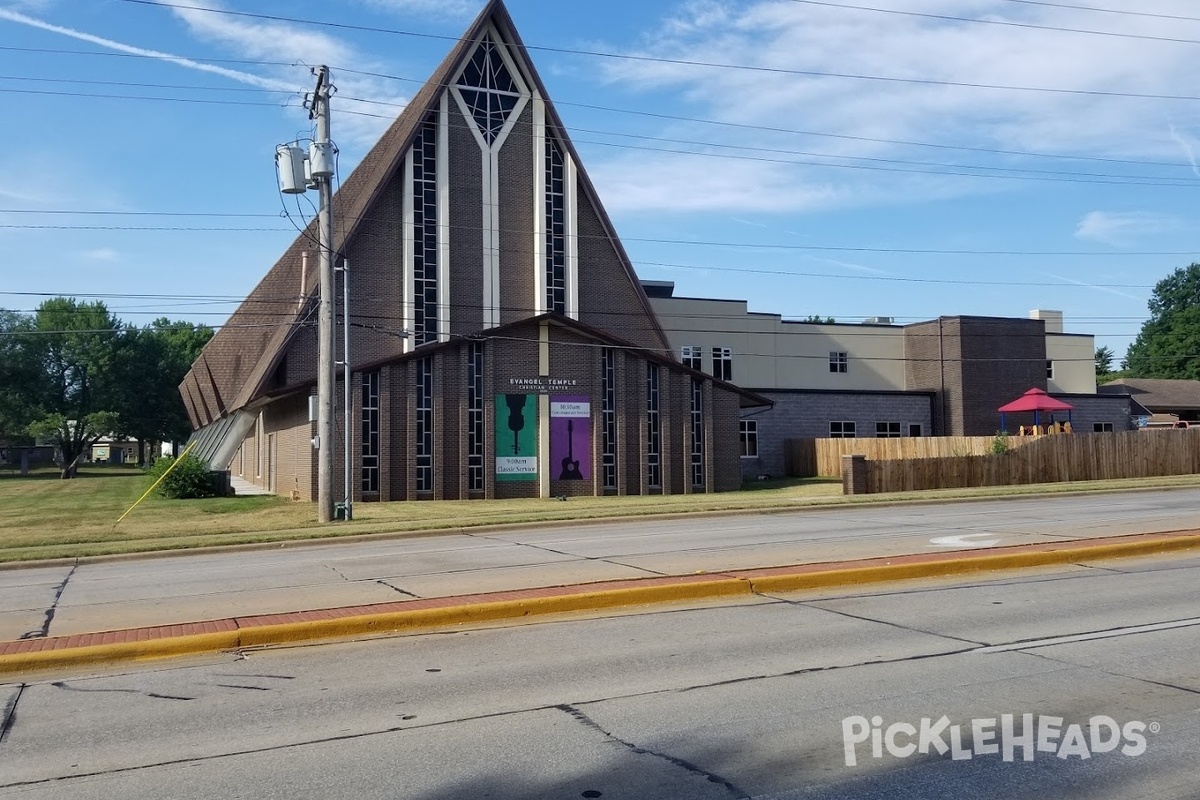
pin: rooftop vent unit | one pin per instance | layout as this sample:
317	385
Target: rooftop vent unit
879	321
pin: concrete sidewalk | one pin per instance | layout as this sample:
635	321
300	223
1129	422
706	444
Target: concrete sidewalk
241	632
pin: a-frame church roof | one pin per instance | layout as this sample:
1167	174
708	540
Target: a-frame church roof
235	368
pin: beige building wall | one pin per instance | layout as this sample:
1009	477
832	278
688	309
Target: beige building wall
1074	363
768	352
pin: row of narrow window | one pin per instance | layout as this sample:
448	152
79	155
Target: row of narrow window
692	356
424	432
722	361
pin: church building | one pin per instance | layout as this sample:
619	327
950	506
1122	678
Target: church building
501	344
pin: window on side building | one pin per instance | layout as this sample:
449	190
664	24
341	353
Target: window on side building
692	356
842	430
722	363
749	431
838	361
887	430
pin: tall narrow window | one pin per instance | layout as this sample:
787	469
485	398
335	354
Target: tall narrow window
697	433
424	427
475	416
692	356
608	419
1050	370
370	433
653	429
749	434
556	228
722	363
425	234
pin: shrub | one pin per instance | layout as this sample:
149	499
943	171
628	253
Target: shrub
189	480
1000	443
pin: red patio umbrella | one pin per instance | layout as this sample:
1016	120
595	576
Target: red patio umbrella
1035	400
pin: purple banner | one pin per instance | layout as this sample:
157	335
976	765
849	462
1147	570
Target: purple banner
570	438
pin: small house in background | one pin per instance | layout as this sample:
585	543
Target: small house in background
22	458
1167	401
109	450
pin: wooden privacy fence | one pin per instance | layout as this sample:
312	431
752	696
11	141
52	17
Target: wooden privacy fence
1046	459
806	458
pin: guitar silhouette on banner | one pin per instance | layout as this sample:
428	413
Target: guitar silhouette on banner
570	465
516	418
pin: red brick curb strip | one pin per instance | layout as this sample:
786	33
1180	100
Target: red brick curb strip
164	641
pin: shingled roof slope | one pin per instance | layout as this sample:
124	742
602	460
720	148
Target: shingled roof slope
1157	394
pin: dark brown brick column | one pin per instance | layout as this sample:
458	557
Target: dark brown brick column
854	474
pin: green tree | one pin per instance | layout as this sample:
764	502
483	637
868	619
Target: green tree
71	399
150	369
18	370
1168	345
1104	362
819	319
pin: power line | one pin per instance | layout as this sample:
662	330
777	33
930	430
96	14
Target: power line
719	65
947	170
684	242
189	87
109	54
635	112
1146	14
914	167
102	96
973	20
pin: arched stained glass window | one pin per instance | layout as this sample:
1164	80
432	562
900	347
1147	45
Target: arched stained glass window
488	89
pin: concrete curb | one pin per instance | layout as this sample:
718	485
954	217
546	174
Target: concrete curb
142	644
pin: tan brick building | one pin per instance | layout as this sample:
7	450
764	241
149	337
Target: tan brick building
501	344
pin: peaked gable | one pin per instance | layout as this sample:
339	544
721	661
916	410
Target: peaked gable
443	237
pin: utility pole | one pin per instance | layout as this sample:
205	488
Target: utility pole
321	169
348	429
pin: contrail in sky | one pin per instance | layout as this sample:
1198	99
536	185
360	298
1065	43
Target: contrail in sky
237	75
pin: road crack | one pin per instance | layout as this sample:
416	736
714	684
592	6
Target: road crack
398	589
68	688
711	777
44	631
848	615
10	713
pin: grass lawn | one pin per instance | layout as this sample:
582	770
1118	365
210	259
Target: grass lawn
42	516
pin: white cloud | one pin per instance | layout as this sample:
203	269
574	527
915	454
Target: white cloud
795	37
262	39
1188	145
695	184
453	9
105	255
1121	228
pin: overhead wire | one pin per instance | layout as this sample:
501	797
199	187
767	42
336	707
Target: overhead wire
656	115
978	21
1122	12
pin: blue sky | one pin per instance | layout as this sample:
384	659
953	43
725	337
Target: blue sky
855	165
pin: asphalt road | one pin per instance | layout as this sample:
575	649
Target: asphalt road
64	600
754	699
